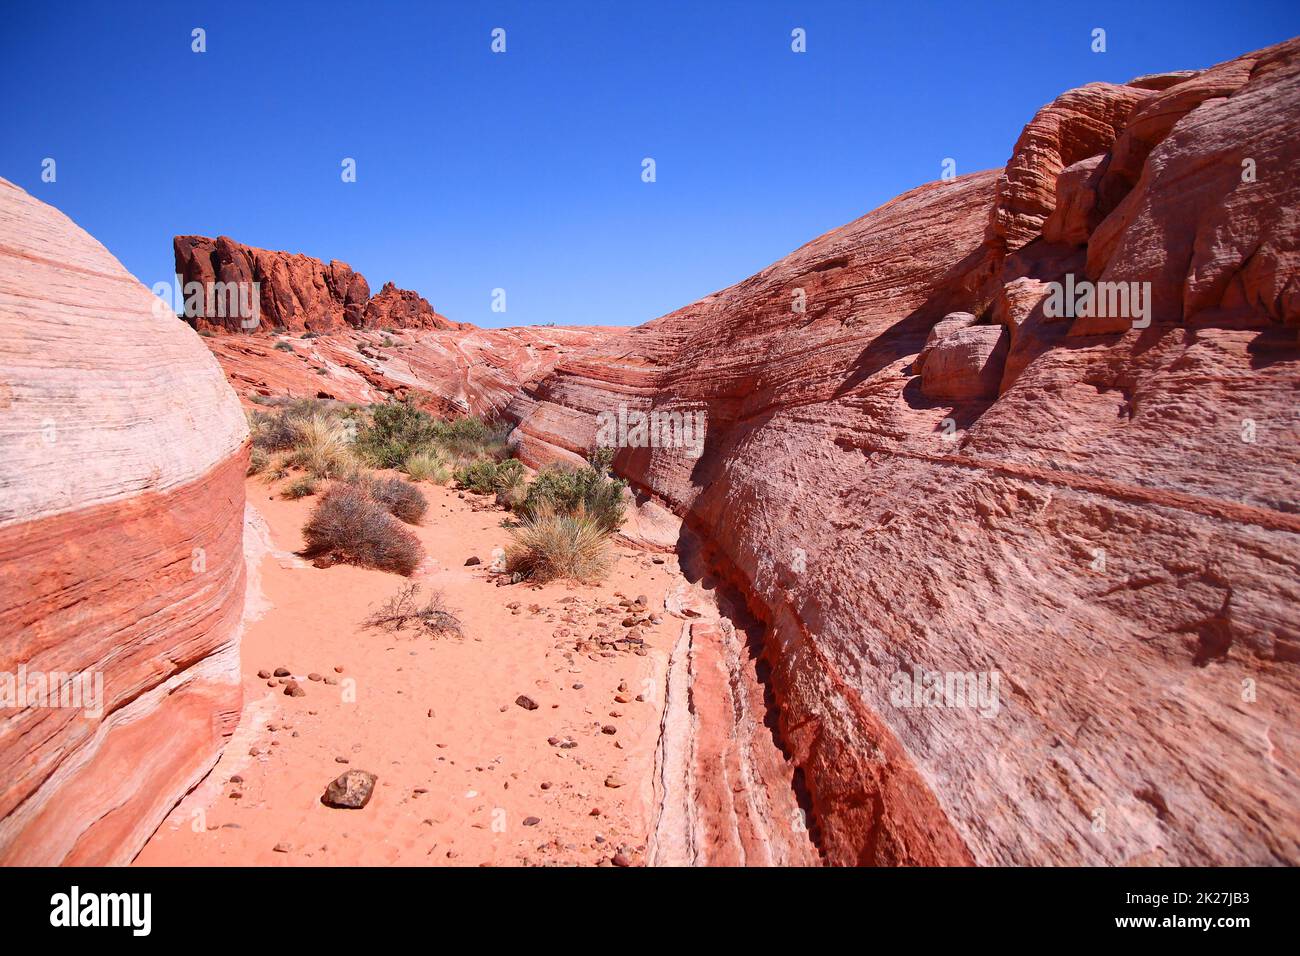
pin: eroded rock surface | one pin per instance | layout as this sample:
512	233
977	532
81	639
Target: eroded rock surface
450	372
121	513
1114	531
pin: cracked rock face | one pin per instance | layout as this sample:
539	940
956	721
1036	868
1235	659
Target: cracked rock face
1106	543
122	460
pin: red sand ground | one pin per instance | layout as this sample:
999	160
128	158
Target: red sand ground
460	765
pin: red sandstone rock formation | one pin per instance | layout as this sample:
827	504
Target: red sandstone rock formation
121	463
296	293
1112	530
361	349
450	372
395	308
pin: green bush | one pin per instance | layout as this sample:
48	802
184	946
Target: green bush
601	459
568	490
283	347
396	431
479	477
301	488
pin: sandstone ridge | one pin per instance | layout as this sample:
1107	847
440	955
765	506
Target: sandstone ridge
924	472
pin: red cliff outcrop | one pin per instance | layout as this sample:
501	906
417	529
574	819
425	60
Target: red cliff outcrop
295	293
122	459
339	342
1088	522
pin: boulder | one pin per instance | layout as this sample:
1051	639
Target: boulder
966	364
350	791
946	326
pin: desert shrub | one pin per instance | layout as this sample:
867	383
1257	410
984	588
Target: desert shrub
601	459
321	446
550	545
511	487
283	347
396	431
399	498
427	466
568	490
347	526
300	488
484	476
403	609
472	439
258	459
270	431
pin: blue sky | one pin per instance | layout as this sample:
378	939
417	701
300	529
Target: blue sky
523	170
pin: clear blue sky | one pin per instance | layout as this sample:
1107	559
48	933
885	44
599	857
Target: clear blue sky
523	170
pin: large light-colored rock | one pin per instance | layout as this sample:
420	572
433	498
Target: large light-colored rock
121	512
1115	536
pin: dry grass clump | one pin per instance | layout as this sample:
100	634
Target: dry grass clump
322	447
549	545
300	488
257	461
427	465
313	435
348	527
403	609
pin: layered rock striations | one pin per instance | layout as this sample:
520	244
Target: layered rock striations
450	372
122	455
1086	525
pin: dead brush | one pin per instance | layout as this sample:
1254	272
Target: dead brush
403	609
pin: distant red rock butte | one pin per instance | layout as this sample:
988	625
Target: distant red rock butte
298	293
